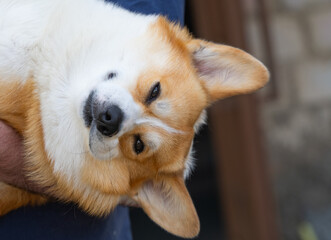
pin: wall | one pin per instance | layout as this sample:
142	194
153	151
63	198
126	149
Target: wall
297	124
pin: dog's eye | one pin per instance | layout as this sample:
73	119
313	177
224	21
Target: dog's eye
154	93
138	145
111	75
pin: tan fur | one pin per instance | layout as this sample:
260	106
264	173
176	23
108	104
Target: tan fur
12	198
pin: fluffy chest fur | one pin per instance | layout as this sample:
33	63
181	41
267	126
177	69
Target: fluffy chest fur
108	102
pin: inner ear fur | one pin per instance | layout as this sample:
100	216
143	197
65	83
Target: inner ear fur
226	71
168	203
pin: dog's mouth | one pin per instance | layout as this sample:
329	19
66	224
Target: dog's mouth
87	110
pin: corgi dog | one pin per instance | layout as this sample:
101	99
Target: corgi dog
108	102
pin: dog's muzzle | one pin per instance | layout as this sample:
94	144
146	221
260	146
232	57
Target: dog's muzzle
108	117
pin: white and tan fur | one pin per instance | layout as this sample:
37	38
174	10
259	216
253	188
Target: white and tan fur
53	53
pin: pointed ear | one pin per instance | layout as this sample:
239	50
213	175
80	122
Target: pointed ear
226	71
168	203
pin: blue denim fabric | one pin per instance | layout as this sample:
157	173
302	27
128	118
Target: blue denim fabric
172	9
56	221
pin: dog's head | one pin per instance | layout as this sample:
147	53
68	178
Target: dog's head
142	115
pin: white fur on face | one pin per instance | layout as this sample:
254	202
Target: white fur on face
189	163
202	120
190	160
163	108
153	140
103	148
155	122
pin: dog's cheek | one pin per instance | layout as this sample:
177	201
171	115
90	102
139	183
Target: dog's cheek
109	177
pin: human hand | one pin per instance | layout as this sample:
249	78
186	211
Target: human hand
12	159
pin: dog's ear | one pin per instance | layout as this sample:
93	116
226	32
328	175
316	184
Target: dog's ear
226	71
168	203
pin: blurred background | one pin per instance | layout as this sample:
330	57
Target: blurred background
263	167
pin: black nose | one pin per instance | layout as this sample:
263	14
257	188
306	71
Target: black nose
109	121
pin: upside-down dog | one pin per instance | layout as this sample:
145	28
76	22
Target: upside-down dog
108	102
